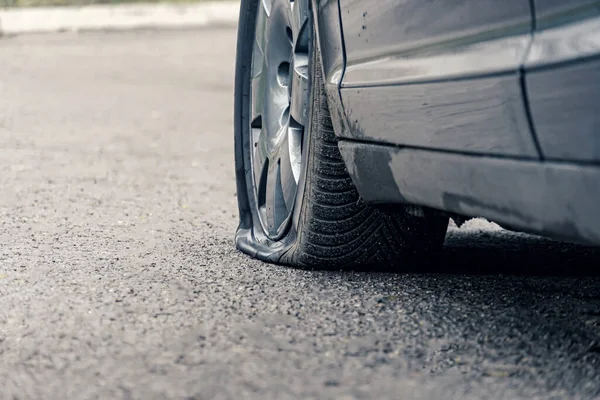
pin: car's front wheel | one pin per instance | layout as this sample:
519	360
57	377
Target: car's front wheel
298	205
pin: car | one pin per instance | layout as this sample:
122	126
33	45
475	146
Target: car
363	126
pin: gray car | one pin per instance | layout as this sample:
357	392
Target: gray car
363	126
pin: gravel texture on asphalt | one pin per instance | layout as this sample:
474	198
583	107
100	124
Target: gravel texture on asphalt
119	277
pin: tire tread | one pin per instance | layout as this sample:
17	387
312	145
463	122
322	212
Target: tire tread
339	230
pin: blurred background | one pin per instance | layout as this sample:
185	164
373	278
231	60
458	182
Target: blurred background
36	3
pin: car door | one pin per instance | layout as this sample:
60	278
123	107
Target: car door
437	74
562	77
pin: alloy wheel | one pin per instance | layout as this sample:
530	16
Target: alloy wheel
280	90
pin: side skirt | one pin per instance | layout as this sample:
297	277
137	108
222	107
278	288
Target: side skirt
553	199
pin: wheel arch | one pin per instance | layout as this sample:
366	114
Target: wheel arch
330	41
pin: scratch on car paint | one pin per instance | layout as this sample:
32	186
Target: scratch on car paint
362	167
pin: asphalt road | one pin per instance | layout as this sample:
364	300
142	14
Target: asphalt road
119	278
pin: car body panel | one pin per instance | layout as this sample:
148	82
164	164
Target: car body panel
565	43
565	108
329	36
478	115
554	199
451	60
562	77
488	112
376	30
452	85
550	13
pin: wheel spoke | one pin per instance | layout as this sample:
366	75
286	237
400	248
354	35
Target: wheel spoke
261	24
299	18
275	207
258	96
267	4
260	153
258	60
290	165
299	90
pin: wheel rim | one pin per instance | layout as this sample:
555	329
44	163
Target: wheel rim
279	109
